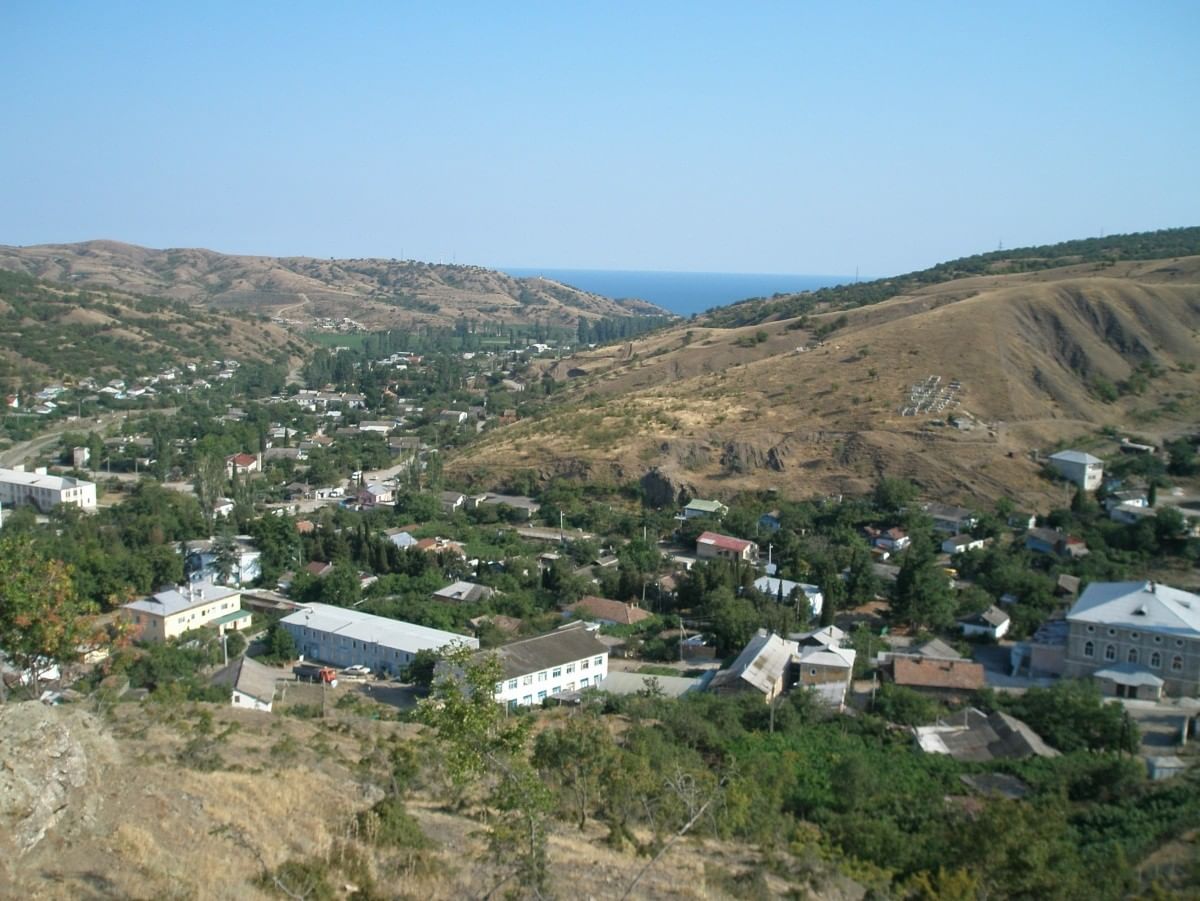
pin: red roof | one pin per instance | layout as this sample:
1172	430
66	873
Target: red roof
725	542
241	459
608	609
927	672
319	569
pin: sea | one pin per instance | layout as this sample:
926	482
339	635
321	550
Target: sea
683	293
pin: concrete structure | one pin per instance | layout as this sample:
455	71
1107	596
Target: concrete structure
251	685
566	660
170	613
1075	466
344	637
18	487
1152	627
712	545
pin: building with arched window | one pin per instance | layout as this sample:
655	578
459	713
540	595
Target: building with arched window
1145	637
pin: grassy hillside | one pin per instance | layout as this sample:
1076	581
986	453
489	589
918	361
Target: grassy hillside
376	292
50	331
1039	358
1102	252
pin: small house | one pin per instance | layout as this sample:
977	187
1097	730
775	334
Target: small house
992	623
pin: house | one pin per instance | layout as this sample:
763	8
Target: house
523	507
81	457
400	537
240	464
1078	467
170	613
607	611
376	495
770	521
1131	514
959	544
438	545
970	734
318	569
1133	497
18	487
1052	541
937	676
509	625
824	667
992	623
203	560
784	591
891	540
463	593
712	545
533	669
761	668
696	508
950	519
251	685
344	637
1150	626
452	501
295	454
222	508
454	417
379	426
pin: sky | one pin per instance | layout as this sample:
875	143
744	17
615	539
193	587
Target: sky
796	137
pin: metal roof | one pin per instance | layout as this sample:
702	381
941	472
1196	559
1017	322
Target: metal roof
1074	456
761	664
565	645
1129	674
389	633
1139	605
172	601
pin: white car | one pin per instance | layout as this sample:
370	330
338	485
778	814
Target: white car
358	669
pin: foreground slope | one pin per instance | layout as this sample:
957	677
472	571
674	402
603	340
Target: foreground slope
375	292
1037	358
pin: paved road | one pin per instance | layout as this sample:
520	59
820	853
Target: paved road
24	450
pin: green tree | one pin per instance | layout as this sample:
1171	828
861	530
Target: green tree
41	616
923	596
280	646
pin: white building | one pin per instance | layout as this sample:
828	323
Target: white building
170	613
18	487
568	659
1081	468
344	637
785	589
251	685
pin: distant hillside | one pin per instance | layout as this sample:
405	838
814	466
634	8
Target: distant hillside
47	330
1157	245
1038	358
376	292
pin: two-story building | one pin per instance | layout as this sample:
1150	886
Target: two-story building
38	489
1081	468
170	613
569	659
698	507
1136	630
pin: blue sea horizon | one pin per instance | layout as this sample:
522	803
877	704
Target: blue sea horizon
683	293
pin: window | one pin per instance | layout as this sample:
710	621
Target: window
583	664
527	680
1178	642
1089	649
570	668
542	676
1133	655
1176	664
1110	652
527	700
1156	660
596	681
1112	632
541	696
570	686
583	683
557	674
1158	639
599	661
512	683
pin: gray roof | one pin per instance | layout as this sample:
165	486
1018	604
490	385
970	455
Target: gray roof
947	511
1139	605
935	647
388	633
761	664
993	618
1074	456
516	501
249	677
565	645
1129	674
622	683
971	734
463	591
172	601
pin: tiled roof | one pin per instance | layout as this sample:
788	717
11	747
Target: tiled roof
930	672
607	609
725	542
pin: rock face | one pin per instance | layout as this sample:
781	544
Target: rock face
43	760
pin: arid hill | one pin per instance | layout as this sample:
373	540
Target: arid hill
51	331
1022	362
376	292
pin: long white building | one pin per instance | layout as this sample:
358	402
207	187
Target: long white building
343	637
565	660
18	487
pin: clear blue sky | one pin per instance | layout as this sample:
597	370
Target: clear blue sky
761	137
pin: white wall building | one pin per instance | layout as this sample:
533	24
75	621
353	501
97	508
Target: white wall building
344	637
568	659
18	487
1081	468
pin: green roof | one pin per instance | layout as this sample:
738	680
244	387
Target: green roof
230	617
709	506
